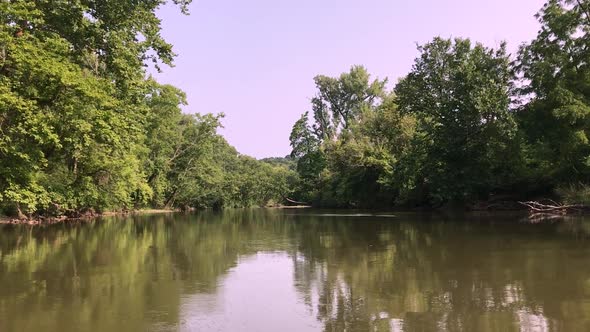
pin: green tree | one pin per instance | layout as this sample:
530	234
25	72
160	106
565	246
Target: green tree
163	137
307	151
67	139
340	100
72	106
460	96
336	108
555	90
191	158
363	162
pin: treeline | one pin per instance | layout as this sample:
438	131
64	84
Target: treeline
468	124
83	128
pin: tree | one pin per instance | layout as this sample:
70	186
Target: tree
460	96
306	149
364	161
340	100
72	105
348	155
554	76
191	157
67	139
163	137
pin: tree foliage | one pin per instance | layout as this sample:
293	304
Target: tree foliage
83	128
468	123
459	94
347	155
555	85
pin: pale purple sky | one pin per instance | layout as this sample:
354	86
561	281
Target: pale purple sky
255	60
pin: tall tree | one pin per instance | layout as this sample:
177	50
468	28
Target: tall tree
555	87
192	155
340	100
364	161
307	150
459	94
72	105
164	137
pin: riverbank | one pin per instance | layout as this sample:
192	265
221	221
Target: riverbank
55	220
535	209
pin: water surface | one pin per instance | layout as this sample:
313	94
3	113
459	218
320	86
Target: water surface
297	270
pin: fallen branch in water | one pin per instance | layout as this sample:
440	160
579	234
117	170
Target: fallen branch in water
295	202
554	208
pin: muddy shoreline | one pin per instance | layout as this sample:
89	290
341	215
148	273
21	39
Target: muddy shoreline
4	220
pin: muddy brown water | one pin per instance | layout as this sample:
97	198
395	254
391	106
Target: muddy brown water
297	270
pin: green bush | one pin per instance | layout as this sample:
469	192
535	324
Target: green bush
575	194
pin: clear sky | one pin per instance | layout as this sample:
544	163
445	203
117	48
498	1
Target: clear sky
255	60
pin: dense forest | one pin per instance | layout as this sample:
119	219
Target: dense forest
84	127
468	125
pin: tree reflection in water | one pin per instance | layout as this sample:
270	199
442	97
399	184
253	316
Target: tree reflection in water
409	273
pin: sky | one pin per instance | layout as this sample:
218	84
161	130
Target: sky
255	60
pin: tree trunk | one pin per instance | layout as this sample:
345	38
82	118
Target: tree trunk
170	199
19	213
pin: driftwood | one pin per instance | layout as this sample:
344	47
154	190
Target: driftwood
551	208
294	202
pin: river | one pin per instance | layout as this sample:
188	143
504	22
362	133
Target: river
297	270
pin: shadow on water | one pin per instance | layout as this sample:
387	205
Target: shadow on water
297	270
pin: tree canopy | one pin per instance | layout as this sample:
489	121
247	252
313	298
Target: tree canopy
83	127
468	123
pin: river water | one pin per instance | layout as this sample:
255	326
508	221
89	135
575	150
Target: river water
297	270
